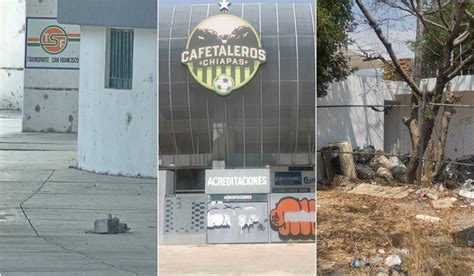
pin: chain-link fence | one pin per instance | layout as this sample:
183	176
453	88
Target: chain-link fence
386	142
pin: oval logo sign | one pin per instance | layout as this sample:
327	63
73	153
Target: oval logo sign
53	39
223	53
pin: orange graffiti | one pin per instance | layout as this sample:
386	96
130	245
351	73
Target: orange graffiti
294	218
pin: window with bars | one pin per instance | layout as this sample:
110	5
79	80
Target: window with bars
120	59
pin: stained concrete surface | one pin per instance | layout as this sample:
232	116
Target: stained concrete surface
46	209
238	259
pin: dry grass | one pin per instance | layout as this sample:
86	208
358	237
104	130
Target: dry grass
358	226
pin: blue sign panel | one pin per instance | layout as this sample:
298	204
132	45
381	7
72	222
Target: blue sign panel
287	178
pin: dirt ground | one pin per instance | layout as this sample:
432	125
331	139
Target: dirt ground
360	226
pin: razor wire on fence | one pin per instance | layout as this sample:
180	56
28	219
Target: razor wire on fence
379	144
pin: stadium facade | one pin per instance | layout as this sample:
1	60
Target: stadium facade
237	122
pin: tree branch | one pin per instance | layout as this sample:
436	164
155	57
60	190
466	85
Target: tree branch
468	61
441	15
462	37
388	46
457	24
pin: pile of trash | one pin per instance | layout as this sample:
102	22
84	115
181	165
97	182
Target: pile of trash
389	265
371	163
457	171
467	191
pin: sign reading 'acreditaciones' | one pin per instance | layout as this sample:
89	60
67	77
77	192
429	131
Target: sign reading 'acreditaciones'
238	181
50	45
223	53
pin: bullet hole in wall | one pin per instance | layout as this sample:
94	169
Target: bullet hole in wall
37	108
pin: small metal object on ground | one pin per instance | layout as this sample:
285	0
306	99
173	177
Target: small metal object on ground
110	226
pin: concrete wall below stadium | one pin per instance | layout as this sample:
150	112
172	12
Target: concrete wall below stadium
50	95
12	41
117	128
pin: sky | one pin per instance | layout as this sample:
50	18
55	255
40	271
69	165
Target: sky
395	24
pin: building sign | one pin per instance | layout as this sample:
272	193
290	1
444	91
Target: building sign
223	53
239	197
287	178
291	190
244	181
308	178
50	45
290	178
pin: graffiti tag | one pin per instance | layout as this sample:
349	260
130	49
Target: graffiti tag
294	218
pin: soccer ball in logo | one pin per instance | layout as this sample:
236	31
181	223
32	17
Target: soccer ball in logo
223	84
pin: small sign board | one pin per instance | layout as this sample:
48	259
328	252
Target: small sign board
287	178
239	198
50	45
291	190
238	181
308	178
294	178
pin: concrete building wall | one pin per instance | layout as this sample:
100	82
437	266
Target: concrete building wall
359	125
108	13
461	127
12	44
117	128
50	95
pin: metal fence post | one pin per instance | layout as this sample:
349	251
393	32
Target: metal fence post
421	110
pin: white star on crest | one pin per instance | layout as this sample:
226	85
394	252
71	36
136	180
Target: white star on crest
224	5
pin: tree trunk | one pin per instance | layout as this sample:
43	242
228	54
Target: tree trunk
412	124
428	163
448	112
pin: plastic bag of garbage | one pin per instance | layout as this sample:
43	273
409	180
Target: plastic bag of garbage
364	155
397	161
393	260
460	171
467	189
364	172
385	162
399	173
384	173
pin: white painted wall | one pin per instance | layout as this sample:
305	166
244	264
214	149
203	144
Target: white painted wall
117	128
50	100
363	126
461	128
356	124
12	52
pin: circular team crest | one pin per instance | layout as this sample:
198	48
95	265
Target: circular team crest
223	53
53	39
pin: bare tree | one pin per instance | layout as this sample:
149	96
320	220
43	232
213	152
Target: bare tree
448	24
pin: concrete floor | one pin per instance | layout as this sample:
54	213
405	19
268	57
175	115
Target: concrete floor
238	259
46	208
